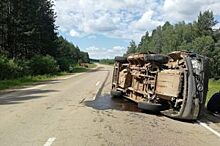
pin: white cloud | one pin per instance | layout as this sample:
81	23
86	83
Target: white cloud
112	18
73	33
217	26
146	22
188	10
125	18
100	53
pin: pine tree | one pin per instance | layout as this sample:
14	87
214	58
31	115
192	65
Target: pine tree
3	26
205	23
45	27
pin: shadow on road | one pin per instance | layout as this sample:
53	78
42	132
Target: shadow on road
18	97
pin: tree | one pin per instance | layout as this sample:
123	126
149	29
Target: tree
45	27
68	54
27	28
205	23
204	45
216	60
84	57
3	15
27	32
132	48
143	45
157	37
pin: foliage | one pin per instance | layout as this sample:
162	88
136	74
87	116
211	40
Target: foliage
68	54
23	81
132	47
41	65
27	28
29	80
107	61
79	69
84	57
205	23
198	37
92	65
9	68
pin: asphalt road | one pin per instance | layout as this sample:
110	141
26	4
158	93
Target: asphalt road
77	110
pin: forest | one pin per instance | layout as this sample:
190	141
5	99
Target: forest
198	36
30	43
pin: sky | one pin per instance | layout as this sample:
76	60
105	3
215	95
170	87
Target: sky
104	28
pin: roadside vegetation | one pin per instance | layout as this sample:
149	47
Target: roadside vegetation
23	81
33	79
107	61
30	48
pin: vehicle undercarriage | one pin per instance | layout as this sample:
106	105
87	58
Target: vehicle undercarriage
175	84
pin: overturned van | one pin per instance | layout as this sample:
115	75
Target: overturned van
175	84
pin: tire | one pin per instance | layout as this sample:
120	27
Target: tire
115	93
159	58
121	59
214	103
150	106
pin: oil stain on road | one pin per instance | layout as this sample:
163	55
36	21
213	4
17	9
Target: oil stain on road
106	102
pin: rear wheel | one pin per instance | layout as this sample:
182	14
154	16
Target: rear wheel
121	59
150	106
115	93
162	59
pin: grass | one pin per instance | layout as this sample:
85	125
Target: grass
214	86
92	65
29	80
79	69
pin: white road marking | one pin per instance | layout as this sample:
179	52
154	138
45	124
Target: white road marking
97	83
50	141
209	128
31	88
